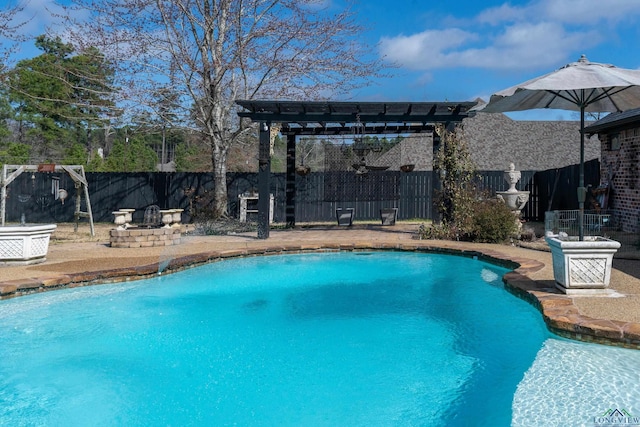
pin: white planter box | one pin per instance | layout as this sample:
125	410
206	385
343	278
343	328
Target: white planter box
25	244
582	267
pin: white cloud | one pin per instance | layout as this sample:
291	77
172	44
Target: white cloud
424	50
518	46
542	44
589	11
37	16
569	12
503	13
539	34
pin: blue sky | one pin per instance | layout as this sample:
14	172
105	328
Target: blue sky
465	49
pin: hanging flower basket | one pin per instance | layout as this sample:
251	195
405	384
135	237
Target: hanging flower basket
303	170
377	168
407	168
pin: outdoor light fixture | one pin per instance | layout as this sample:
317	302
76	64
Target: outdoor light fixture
360	149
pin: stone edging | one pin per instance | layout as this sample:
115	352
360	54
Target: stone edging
558	311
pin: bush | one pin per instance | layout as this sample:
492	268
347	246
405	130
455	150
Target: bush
221	227
492	222
467	213
442	231
200	205
458	193
528	234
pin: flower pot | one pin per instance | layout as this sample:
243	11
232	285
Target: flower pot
128	218
303	170
167	217
377	168
120	219
582	267
344	216
177	217
407	168
388	216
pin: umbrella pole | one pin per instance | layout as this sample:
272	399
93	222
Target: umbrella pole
582	192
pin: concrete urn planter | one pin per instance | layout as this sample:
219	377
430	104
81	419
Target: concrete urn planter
582	267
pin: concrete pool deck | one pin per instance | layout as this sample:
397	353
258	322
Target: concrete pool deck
606	320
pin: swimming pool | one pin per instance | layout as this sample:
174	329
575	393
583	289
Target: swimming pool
369	338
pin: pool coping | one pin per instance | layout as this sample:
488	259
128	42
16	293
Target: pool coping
559	313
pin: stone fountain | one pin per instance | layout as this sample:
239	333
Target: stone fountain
514	199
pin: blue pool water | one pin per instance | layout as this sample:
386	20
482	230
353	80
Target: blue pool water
349	339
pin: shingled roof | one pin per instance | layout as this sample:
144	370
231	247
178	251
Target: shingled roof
496	140
614	120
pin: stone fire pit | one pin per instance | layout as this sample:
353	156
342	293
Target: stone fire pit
145	237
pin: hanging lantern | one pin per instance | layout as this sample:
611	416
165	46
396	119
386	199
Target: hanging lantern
360	148
62	195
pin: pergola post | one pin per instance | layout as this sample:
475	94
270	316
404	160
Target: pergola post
264	175
290	191
436	184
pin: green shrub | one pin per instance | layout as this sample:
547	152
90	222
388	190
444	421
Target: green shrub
492	222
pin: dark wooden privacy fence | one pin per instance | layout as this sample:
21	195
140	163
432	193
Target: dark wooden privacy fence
492	181
317	194
557	188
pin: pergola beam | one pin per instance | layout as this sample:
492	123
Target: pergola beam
439	116
343	129
347	112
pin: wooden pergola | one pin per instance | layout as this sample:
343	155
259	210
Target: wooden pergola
334	118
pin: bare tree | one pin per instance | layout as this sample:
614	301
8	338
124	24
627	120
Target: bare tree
212	52
10	31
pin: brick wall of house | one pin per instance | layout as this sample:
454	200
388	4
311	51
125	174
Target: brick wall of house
619	169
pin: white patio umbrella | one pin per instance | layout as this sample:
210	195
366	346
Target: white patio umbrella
578	86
